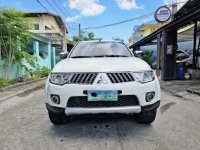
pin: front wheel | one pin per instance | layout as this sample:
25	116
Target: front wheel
58	119
146	117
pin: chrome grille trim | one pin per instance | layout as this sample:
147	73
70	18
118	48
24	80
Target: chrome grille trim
120	77
92	78
83	78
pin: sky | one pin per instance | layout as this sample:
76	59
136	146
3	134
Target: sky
90	13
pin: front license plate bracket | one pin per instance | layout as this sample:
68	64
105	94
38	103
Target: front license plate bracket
110	95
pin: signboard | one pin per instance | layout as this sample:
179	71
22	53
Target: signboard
169	49
162	14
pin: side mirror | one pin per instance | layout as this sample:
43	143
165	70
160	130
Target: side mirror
63	55
139	54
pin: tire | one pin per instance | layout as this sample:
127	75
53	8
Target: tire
58	119
146	117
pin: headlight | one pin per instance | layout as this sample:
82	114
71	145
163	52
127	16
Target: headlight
143	77
60	78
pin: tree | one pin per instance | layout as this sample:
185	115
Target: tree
90	36
14	37
117	39
148	57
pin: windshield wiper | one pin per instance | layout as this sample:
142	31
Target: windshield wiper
81	56
111	56
99	56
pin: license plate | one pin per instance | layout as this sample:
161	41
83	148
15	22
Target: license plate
102	95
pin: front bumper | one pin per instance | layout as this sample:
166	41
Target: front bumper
133	88
125	109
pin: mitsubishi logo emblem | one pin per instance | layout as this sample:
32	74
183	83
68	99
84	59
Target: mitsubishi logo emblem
102	80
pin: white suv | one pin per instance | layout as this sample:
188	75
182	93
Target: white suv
102	77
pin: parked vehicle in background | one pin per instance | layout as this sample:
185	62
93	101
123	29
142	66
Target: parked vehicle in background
102	77
181	56
189	59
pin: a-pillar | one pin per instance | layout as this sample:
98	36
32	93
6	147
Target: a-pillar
169	47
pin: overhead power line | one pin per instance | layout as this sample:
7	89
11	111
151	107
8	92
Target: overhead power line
121	22
124	21
42	5
66	12
48	10
52	6
101	26
58	8
73	33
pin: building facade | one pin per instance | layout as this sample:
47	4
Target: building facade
139	32
51	26
48	40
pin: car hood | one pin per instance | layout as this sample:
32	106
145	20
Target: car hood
101	65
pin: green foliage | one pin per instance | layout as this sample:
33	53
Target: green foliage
40	73
13	30
3	82
148	57
22	55
117	39
75	39
90	36
37	74
14	81
44	72
14	36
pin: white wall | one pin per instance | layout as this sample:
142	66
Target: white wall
45	20
48	21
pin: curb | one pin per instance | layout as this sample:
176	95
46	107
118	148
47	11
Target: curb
20	84
174	93
193	91
20	93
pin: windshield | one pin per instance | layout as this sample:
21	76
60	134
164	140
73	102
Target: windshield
100	49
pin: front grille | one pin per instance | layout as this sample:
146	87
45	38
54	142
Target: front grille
83	78
120	77
123	100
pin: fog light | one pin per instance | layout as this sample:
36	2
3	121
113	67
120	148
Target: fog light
55	99
150	96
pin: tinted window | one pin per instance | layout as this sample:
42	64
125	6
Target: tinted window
100	49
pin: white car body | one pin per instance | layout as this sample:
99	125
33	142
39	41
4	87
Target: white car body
102	66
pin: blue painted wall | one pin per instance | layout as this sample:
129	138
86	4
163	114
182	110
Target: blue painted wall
44	53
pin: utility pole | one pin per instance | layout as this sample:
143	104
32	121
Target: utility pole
79	29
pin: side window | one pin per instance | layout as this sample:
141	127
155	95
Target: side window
36	26
47	28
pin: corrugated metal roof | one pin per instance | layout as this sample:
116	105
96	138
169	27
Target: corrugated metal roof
187	7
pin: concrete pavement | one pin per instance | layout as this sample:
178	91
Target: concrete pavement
182	88
24	124
21	88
